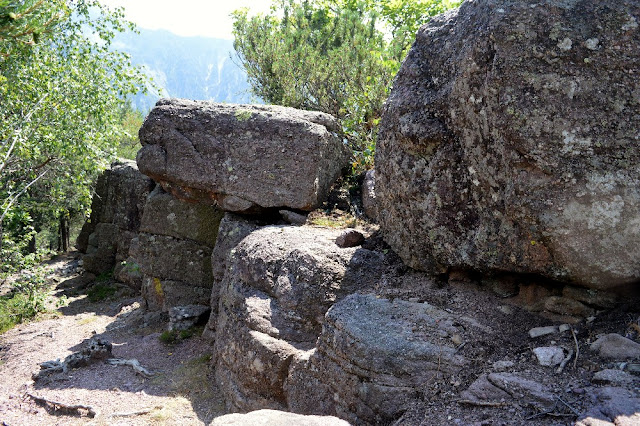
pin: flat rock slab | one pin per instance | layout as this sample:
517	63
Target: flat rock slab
615	346
244	158
373	358
276	418
510	142
612	406
508	388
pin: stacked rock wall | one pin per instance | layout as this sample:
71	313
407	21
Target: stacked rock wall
116	214
212	158
173	251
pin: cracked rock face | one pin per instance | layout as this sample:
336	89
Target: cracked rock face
243	158
279	283
116	213
510	142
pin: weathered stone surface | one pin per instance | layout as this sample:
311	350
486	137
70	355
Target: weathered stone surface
242	157
276	418
233	229
172	253
102	246
166	215
185	317
600	299
372	359
617	347
611	405
509	387
369	202
613	377
279	283
549	356
162	295
174	259
509	142
116	212
293	217
542	331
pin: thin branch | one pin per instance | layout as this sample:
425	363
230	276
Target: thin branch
13	200
15	139
65	408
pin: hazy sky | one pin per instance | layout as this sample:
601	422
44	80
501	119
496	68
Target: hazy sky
209	18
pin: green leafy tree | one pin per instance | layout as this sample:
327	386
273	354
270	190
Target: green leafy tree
338	57
62	89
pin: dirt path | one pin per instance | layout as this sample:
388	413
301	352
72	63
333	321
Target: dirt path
180	392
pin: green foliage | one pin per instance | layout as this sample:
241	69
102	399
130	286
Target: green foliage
100	292
62	90
337	57
25	301
172	337
131	121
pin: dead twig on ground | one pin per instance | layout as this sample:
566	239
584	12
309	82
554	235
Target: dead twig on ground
133	363
575	340
481	403
552	412
573	410
137	413
565	361
77	409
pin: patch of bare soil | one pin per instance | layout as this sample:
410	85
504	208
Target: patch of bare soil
179	392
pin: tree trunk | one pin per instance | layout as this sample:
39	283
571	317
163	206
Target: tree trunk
63	235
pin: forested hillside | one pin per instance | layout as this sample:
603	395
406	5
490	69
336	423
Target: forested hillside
186	67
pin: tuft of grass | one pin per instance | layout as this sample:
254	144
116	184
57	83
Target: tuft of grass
175	336
100	292
338	221
105	276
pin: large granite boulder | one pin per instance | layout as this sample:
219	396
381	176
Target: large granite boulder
279	283
510	142
374	358
243	158
172	251
116	214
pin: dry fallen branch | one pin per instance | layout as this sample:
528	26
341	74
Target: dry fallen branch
565	361
575	340
552	412
133	363
138	413
64	408
482	403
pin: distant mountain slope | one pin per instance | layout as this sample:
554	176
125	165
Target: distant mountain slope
186	67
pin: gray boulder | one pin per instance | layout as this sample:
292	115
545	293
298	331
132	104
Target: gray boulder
373	358
510	142
244	158
617	347
279	283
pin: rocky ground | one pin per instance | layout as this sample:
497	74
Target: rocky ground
505	383
178	392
